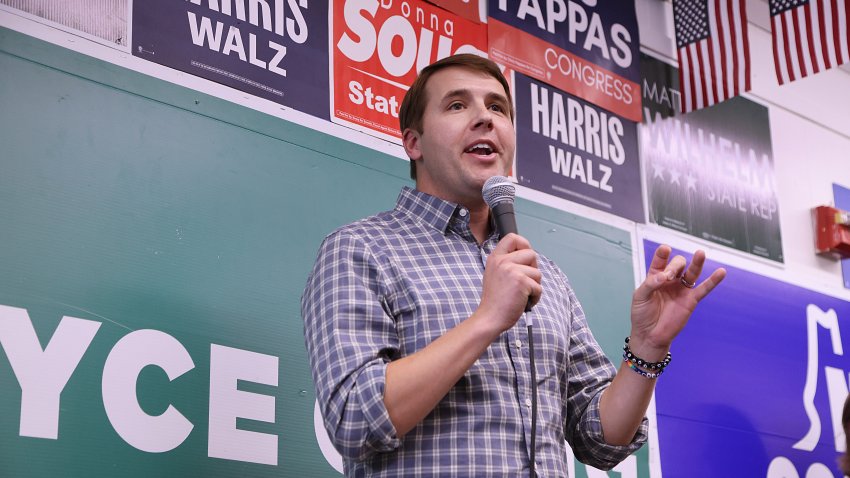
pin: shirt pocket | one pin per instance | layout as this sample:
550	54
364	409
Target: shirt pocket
431	299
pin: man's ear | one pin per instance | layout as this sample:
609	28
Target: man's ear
410	141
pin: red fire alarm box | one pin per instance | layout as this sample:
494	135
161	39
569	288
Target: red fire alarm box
832	231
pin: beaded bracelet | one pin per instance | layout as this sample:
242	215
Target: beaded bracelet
631	357
646	374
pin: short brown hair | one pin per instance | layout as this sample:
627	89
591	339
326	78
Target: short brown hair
415	100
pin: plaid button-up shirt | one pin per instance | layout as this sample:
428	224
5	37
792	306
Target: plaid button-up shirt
385	287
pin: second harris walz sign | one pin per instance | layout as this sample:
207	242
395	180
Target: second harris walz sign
570	148
379	47
274	50
586	48
709	173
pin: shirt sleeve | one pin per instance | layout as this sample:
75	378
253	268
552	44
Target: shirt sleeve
350	340
590	373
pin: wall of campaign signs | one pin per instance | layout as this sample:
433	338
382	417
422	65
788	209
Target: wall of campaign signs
370	51
179	212
576	76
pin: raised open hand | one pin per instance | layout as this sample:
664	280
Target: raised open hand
663	303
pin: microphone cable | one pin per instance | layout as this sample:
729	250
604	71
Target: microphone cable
533	473
499	193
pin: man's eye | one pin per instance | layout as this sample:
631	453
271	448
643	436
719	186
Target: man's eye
498	108
455	106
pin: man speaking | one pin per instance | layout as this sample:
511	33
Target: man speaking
416	325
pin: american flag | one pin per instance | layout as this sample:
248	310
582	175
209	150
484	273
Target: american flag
809	36
714	55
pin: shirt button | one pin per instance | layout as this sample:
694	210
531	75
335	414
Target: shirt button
528	402
463	212
518	343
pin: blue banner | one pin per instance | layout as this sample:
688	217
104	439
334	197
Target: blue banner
274	50
757	383
570	148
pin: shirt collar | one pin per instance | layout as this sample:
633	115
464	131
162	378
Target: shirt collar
432	210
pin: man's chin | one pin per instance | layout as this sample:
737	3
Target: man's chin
490	172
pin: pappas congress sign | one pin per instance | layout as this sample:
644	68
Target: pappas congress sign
581	47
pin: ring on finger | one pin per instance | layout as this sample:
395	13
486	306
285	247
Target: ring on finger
689	285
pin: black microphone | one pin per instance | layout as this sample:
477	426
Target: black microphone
499	193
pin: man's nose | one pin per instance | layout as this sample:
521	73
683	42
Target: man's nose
483	117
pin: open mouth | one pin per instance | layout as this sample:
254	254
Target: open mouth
483	149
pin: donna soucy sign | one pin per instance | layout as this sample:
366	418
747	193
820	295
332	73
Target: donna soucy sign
570	148
378	48
474	10
271	49
757	383
710	173
582	47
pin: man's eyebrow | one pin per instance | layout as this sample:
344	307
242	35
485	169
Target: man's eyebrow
464	92
460	92
498	96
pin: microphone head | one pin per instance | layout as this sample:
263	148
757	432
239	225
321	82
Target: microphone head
498	189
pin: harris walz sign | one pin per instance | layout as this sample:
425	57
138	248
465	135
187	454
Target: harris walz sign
277	51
